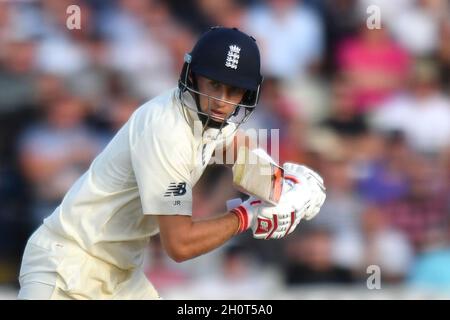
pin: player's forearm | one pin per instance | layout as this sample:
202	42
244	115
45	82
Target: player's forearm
202	236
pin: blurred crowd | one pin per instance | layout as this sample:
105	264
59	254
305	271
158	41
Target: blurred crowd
367	108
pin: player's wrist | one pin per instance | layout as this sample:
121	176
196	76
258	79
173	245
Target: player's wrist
246	214
242	216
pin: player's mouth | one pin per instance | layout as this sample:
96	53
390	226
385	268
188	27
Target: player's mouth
218	115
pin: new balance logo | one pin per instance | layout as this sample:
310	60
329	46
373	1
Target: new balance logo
233	57
175	189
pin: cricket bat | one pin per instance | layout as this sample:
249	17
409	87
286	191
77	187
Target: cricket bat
256	174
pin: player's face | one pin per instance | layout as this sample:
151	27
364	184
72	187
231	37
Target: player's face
218	110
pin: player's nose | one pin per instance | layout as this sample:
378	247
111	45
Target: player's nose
221	102
223	107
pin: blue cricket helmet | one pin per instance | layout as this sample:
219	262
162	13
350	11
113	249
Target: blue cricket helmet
229	56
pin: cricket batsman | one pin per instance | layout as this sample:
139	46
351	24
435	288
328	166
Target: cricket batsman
92	246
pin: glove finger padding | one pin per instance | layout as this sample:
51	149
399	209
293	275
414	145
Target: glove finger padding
311	183
317	199
298	218
297	196
302	174
314	208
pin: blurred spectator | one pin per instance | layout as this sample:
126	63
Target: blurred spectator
425	206
91	83
17	94
309	260
417	28
5	24
343	118
18	101
430	270
342	208
170	33
20	20
341	21
119	111
290	35
49	88
111	115
143	40
350	173
376	244
366	151
188	13
62	51
16	74
444	54
385	178
390	10
274	107
223	13
422	114
277	111
54	153
17	109
239	276
386	247
374	65
124	21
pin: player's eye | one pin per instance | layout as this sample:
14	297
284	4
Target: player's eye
235	91
214	84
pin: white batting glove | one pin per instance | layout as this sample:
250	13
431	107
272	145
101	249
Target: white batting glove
265	220
296	198
310	188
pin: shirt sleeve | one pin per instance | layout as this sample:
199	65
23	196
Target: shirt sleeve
161	159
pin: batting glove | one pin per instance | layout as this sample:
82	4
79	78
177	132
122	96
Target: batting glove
265	220
310	189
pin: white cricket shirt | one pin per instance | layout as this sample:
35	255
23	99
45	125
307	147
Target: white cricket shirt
149	168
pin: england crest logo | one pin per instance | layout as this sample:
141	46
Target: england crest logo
233	57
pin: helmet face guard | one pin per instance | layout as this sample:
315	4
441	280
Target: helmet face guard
229	57
242	110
